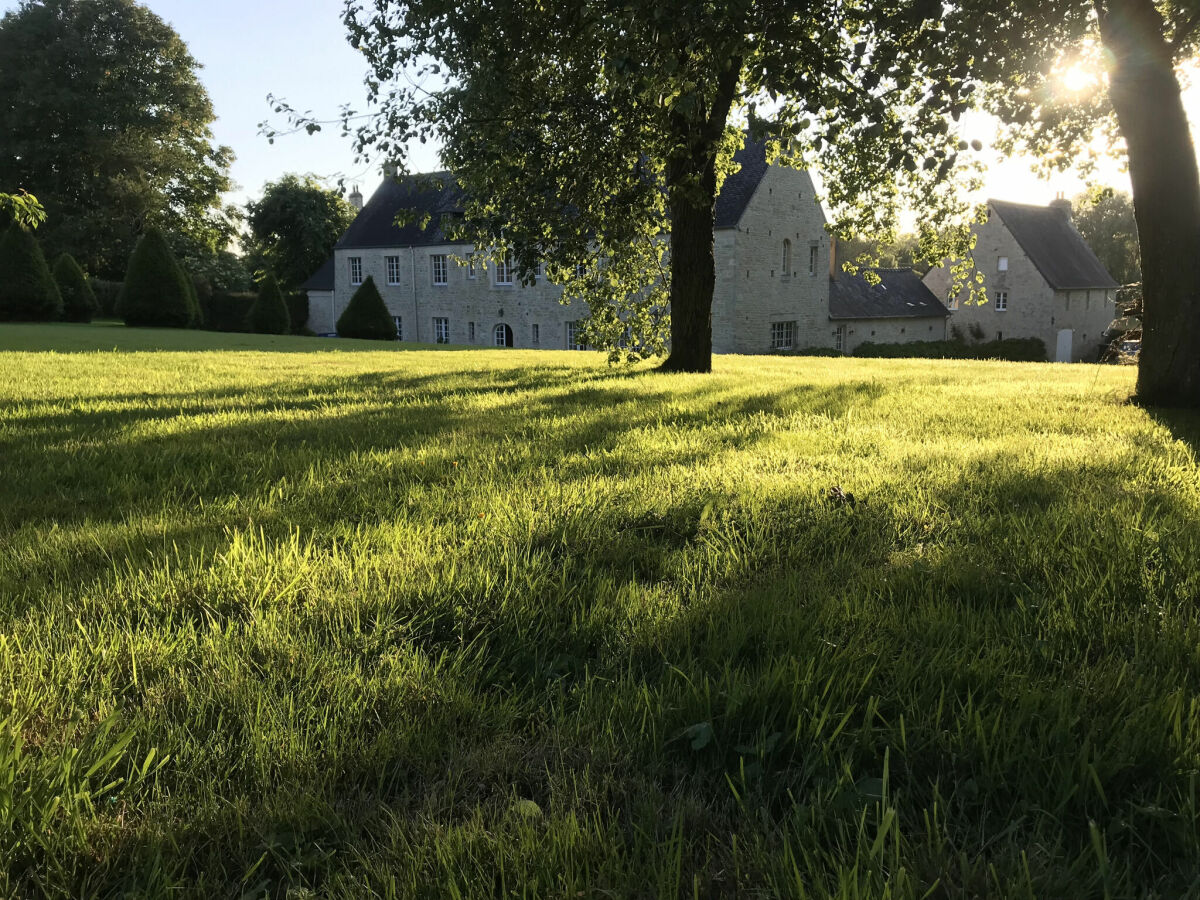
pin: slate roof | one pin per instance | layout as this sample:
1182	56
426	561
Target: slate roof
1057	250
434	195
322	279
900	294
437	195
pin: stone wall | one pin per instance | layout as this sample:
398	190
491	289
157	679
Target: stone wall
890	331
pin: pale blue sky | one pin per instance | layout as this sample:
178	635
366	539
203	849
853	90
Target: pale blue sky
297	49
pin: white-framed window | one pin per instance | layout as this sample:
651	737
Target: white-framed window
541	271
393	269
787	258
503	335
504	273
952	303
399	327
839	339
574	337
580	269
471	331
1001	301
537	336
437	265
441	331
1002	264
783	335
356	270
812	258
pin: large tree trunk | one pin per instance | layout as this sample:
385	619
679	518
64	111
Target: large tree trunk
1166	196
693	272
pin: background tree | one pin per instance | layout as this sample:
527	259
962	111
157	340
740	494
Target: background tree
294	226
78	299
1107	222
902	253
105	120
269	314
157	292
366	316
1121	57
580	128
27	289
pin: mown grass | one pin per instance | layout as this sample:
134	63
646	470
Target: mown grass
351	622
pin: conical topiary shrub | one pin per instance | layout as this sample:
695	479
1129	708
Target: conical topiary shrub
366	316
269	314
27	289
79	301
156	290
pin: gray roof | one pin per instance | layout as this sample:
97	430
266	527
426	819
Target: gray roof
1057	250
437	195
429	198
322	279
900	294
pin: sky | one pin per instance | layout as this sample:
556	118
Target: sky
297	50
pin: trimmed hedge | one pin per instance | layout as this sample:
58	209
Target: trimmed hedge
297	304
156	290
366	317
268	313
28	292
1009	349
107	293
227	311
79	302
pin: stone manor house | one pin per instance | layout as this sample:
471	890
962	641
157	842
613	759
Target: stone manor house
778	284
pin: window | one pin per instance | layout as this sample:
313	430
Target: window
504	270
574	337
393	269
471	331
787	259
812	258
399	328
541	271
471	269
839	339
437	265
580	269
441	331
782	335
356	270
537	338
952	303
1002	265
504	335
1001	301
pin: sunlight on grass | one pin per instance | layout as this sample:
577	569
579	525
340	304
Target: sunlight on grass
315	616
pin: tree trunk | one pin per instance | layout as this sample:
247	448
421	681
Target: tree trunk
693	272
1166	196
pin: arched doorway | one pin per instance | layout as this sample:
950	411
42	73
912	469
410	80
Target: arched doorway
504	335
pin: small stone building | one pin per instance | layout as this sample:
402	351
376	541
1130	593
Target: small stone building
898	310
1042	280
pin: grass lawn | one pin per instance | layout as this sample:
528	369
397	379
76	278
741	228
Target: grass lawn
359	622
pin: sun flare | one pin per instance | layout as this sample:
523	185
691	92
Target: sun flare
1078	78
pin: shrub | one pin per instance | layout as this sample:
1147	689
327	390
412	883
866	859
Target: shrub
156	290
297	304
79	302
268	313
366	316
1012	350
107	293
224	311
810	351
27	289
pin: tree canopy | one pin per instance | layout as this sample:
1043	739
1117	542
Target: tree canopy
1106	220
105	120
294	226
583	131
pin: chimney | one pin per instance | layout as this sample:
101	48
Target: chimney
356	199
1063	205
